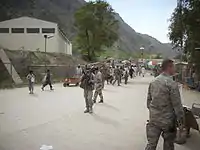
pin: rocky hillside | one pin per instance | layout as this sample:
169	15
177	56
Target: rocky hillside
62	11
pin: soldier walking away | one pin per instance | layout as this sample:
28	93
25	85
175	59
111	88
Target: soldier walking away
121	74
135	72
126	77
143	71
98	86
140	70
47	80
165	108
104	73
87	84
131	71
108	75
117	74
111	75
31	80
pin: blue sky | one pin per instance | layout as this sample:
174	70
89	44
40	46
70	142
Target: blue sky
146	16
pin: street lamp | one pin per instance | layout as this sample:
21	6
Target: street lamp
150	48
45	47
142	52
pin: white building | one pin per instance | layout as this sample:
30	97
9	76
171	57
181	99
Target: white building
27	33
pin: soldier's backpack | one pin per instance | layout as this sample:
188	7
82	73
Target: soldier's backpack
85	82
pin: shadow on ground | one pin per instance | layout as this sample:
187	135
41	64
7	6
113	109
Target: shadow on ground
109	90
109	107
34	95
106	120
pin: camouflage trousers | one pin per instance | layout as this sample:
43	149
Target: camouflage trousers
117	78
154	131
31	86
97	92
88	98
103	82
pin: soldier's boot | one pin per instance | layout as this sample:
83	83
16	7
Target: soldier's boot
95	96
101	101
87	110
188	132
90	110
94	100
101	96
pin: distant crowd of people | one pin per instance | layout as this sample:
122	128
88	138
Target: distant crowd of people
94	78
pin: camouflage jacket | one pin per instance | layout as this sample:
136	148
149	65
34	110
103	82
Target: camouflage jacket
117	72
164	100
98	81
87	81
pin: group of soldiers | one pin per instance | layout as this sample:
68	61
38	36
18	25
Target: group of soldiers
115	74
93	78
166	112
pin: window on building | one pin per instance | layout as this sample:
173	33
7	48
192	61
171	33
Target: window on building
17	30
4	30
48	30
33	30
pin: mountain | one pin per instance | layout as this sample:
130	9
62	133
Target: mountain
132	41
62	12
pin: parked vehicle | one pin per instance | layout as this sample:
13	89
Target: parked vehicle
71	81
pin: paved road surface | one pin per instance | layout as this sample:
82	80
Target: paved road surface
56	118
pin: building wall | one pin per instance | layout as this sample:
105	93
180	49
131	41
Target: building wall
70	48
63	44
28	41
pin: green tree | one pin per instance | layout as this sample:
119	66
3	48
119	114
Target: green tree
97	28
184	30
185	26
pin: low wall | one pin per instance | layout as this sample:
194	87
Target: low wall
59	73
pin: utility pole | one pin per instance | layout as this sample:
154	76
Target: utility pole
45	52
45	49
142	53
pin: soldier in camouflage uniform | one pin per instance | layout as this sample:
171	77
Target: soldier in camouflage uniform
165	108
104	74
98	86
87	83
117	74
